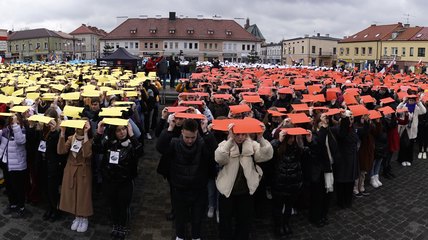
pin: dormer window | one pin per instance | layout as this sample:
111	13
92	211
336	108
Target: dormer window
190	31
419	35
210	32
228	33
172	31
133	31
153	30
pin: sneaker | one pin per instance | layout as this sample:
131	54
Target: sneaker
409	164
210	213
373	182
420	155
20	213
83	225
75	224
113	233
9	210
404	164
358	195
365	194
378	182
424	155
268	194
217	216
148	136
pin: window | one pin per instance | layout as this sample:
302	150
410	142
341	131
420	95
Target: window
190	31
363	51
146	45
228	32
370	51
196	45
185	45
356	51
23	46
133	31
16	47
38	45
303	49
215	45
60	45
136	45
224	46
334	51
347	51
46	45
421	52
243	47
206	45
152	30
165	45
176	45
151	45
248	47
385	51
126	44
411	52
131	45
156	45
394	51
403	51
313	49
117	45
252	47
171	31
211	46
210	32
30	46
190	45
342	50
171	45
234	47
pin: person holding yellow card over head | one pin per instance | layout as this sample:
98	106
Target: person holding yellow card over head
121	150
76	190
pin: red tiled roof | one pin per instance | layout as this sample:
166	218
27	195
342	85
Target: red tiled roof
373	33
83	29
422	35
32	33
163	26
407	34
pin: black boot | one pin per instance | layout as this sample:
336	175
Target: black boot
286	225
278	224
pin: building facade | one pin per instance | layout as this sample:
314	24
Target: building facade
3	45
271	53
42	45
89	37
310	51
188	38
378	45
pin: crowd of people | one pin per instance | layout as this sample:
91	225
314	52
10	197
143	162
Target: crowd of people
233	136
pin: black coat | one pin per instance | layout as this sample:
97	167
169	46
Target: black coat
320	161
288	175
190	167
218	109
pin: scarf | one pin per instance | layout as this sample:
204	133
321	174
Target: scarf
411	107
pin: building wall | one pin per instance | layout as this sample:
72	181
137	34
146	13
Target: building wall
90	45
301	50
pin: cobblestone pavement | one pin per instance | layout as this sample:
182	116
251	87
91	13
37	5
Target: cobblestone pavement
397	210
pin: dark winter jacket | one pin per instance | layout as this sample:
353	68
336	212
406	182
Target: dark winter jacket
320	160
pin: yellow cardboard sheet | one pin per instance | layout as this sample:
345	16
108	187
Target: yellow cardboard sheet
73	123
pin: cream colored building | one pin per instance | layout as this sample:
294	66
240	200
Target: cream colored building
311	51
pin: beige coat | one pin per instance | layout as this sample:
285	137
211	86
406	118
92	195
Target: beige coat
227	155
76	190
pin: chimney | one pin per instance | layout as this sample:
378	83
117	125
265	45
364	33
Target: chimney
373	25
345	37
406	25
247	23
158	16
327	35
200	17
318	34
306	35
172	16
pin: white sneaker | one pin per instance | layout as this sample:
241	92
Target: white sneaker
75	224
373	182
177	238
409	164
210	213
268	194
404	164
378	182
149	137
424	155
420	155
217	216
83	226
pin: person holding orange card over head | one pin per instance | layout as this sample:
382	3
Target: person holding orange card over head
239	176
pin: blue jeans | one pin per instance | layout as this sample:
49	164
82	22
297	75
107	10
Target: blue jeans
212	194
376	167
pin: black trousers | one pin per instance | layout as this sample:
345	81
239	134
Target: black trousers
344	194
423	138
320	200
16	183
189	203
406	148
280	203
241	208
119	196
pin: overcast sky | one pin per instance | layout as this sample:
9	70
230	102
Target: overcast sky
277	19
